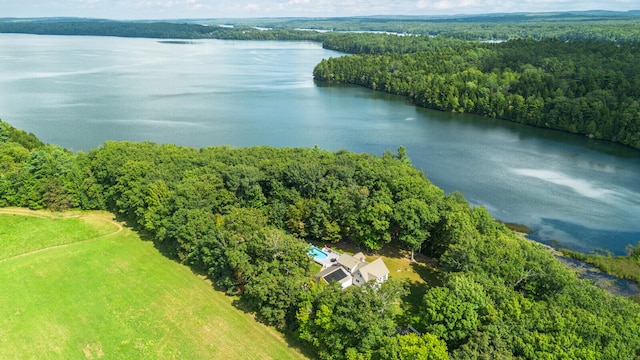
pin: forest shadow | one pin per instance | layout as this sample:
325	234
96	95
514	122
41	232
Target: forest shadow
171	253
164	248
288	334
430	275
413	300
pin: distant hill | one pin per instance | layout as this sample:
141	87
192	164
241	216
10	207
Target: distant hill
594	24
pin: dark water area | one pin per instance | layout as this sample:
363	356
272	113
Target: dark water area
78	92
548	229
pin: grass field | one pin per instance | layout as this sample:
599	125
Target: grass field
81	287
20	234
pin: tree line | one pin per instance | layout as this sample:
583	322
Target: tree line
157	30
618	27
583	87
244	217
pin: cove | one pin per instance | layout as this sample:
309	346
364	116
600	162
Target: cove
78	92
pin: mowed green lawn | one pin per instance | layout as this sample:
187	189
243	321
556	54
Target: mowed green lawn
20	234
114	297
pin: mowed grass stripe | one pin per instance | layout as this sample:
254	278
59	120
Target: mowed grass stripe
117	297
21	234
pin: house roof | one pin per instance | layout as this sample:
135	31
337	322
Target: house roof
374	270
334	273
348	261
359	257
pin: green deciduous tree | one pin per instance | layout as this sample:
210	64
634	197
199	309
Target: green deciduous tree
412	346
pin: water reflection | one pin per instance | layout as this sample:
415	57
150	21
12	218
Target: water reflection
582	238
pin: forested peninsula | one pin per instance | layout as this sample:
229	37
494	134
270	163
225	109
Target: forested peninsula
244	217
585	87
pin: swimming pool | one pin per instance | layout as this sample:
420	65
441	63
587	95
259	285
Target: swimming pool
317	253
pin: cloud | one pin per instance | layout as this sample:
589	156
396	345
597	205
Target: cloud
151	7
342	8
252	7
88	4
463	6
446	4
583	187
194	4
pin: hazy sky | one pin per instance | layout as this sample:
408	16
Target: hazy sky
172	9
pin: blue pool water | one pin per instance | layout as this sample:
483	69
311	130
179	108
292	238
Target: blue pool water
317	253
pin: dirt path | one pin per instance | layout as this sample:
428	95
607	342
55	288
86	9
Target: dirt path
93	216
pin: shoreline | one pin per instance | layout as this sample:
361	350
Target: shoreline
600	278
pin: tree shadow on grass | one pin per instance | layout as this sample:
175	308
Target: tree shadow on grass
170	252
294	343
428	274
288	334
164	248
412	303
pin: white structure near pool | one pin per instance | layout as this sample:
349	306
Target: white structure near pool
348	270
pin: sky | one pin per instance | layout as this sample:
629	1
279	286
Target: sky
195	9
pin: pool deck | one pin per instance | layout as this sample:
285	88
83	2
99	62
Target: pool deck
331	254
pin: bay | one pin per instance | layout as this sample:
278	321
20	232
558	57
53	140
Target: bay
78	92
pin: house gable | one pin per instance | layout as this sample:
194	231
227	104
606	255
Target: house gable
349	262
375	270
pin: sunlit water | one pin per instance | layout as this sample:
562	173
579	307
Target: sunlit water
78	92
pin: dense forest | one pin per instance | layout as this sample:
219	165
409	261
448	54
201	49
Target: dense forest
244	217
584	87
158	30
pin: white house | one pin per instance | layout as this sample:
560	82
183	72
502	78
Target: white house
374	271
354	270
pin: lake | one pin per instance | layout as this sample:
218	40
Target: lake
78	92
